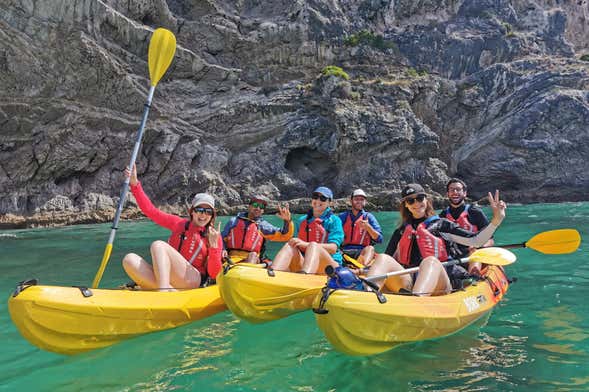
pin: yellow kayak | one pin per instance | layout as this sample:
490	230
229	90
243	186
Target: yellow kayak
356	323
63	320
251	294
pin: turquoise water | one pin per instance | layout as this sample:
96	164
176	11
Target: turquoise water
536	339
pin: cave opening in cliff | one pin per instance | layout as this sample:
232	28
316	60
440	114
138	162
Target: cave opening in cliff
311	166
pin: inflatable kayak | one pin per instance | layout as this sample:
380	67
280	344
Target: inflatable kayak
71	320
252	294
356	323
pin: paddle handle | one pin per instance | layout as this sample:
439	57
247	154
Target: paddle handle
124	191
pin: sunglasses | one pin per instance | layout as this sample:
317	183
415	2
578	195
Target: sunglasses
319	196
255	204
419	198
201	210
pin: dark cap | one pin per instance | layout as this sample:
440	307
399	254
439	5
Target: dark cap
412	189
259	197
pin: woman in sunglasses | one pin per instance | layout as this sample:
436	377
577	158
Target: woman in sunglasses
424	239
319	237
191	254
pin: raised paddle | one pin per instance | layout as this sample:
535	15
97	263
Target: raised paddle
162	47
489	256
553	242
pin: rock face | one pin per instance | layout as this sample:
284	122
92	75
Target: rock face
488	90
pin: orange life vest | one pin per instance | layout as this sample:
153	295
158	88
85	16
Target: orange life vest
428	244
245	236
462	219
353	235
312	232
188	240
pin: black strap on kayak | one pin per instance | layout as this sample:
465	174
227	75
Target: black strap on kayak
86	292
375	289
24	284
325	293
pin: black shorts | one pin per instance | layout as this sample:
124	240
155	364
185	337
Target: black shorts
353	253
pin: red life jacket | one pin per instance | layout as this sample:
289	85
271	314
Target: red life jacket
312	232
428	244
245	236
188	240
462	220
353	236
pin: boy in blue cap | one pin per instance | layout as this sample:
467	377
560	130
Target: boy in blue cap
319	236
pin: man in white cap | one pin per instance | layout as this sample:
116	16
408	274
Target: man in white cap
361	231
245	235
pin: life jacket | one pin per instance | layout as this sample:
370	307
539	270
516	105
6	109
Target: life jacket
428	244
462	220
245	236
188	240
314	231
353	236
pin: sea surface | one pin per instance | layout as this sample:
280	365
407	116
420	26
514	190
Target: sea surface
537	339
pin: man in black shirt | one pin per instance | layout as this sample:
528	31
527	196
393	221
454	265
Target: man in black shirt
469	217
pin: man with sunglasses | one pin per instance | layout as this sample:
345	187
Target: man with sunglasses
361	232
245	235
467	216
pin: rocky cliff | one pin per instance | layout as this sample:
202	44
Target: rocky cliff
493	91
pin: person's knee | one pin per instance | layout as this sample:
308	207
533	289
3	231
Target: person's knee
158	245
312	246
131	260
430	262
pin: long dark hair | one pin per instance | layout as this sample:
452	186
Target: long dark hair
407	216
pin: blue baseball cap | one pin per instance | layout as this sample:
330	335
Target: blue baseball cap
325	191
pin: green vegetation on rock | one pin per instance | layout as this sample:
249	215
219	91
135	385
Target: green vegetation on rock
365	37
333	70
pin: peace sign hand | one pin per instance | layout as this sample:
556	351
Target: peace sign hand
283	212
498	207
213	236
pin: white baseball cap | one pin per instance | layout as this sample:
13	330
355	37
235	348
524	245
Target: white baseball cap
359	192
203	198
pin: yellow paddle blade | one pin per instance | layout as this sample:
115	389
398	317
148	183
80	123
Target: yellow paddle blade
492	256
353	261
162	47
555	242
105	257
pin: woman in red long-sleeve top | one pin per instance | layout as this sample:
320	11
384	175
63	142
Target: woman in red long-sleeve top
191	254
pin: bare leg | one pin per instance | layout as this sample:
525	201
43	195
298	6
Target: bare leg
432	278
253	258
366	255
171	269
384	264
285	256
316	259
140	271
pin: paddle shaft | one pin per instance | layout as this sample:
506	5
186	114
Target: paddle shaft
512	246
124	190
414	270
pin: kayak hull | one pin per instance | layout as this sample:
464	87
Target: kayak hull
252	295
62	320
357	324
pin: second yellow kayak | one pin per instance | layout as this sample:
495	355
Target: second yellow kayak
253	295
